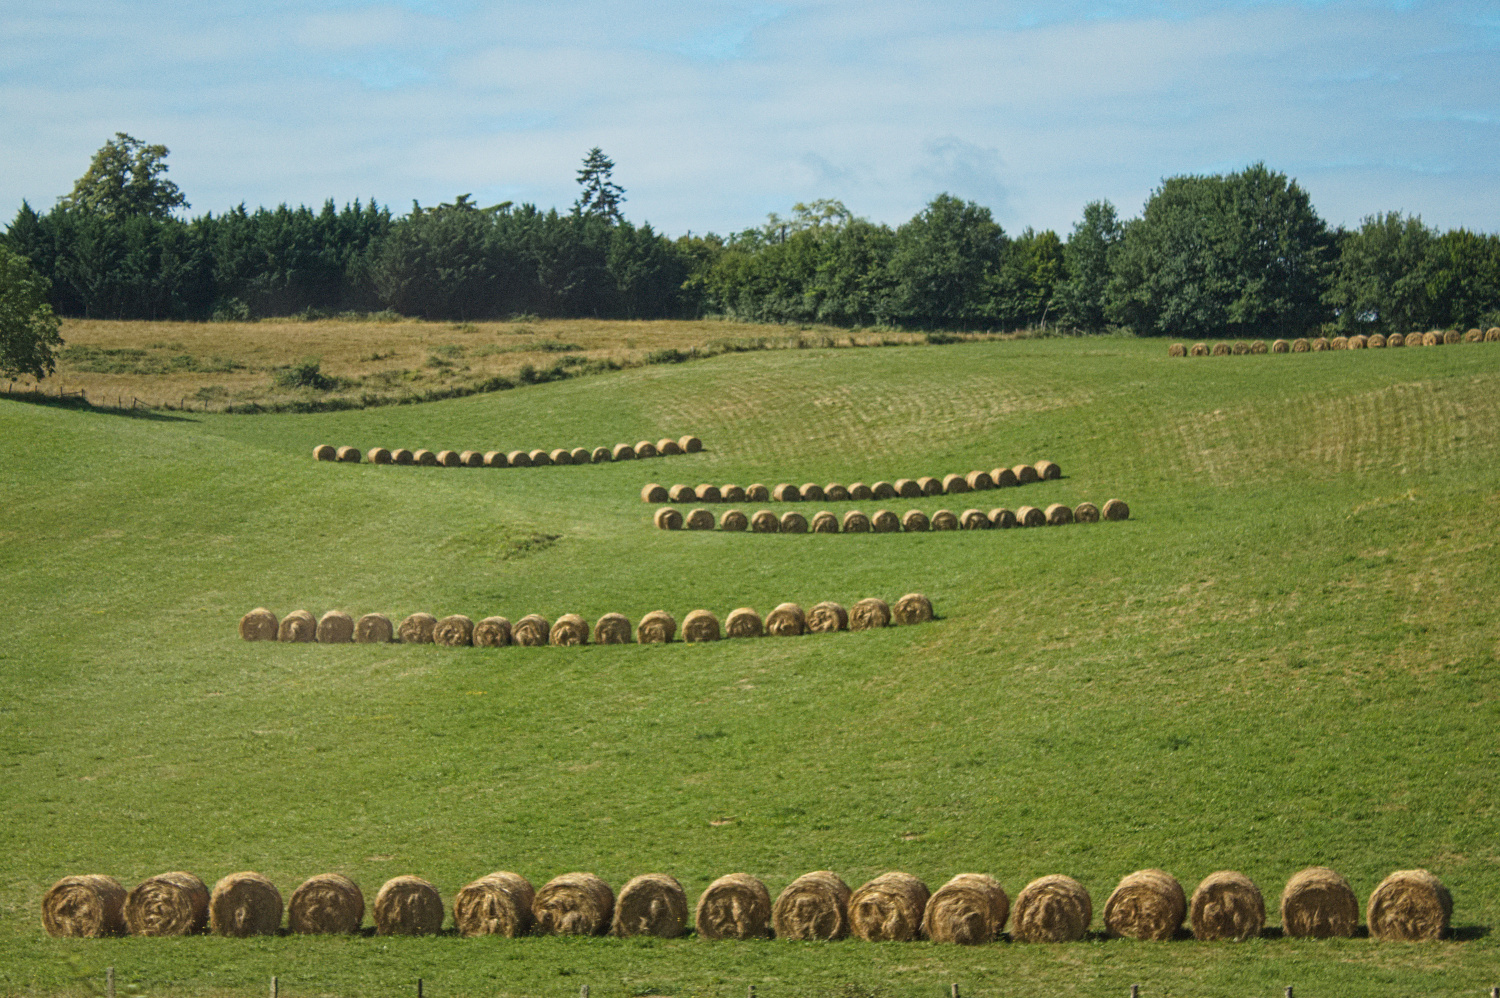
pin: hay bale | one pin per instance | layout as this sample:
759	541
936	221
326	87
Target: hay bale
1147	904
689	444
731	493
84	906
168	904
1026	474
560	456
1177	350
1376	341
622	452
736	906
869	613
612	629
1048	471
1059	515
700	625
969	910
1492	334
325	452
581	455
1030	516
1086	512
652	904
1052	909
860	492
1433	339
1281	346
765	522
1409	906
244	904
645	449
417	629
471	458
856	522
497	904
700	519
1258	347
888	908
1003	478
814	906
1116	509
930	486
834	492
495	459
259	624
1221	350
569	630
1320	343
1359	342
973	519
954	485
1240	348
944	519
653	492
734	520
518	459
335	628
1227	905
756	492
793	522
1339	343
1301	345
743	622
709	493
540	458
909	488
425	458
531	631
326	904
915	521
882	490
979	481
1002	518
786	492
349	455
1198	350
1395	340
379	455
825	522
403	456
492	632
573	904
656	628
827	617
448	459
1449	337
667	518
374	629
812	492
298	625
885	522
601	455
913	608
667	447
408	906
1320	904
786	621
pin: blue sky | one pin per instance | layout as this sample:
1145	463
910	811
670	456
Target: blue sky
717	113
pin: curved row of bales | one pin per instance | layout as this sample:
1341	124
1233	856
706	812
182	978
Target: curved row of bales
1317	344
885	521
534	630
904	488
970	909
666	447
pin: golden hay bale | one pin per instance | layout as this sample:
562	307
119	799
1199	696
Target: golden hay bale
969	910
560	456
1030	516
612	629
1301	345
1320	904
1395	340
653	492
408	906
1003	478
326	904
581	455
1059	515
709	493
656	628
944	519
1320	343
1221	350
350	455
690	444
1198	350
733	520
909	488
335	628
622	452
1116	509
856	522
860	492
568	630
539	458
518	459
885	522
824	522
1177	350
425	458
667	518
882	490
453	631
645	449
973	519
531	631
757	492
259	624
834	492
1449	337
700	625
85	906
325	452
497	904
652	904
1002	518
1376	341
417	629
1359	342
743	622
1492	335
954	485
700	519
168	904
471	458
869	613
374	629
731	493
298	625
736	906
826	617
812	492
1026	474
1432	339
1409	906
244	904
786	621
1052	909
449	459
979	481
1048	471
1281	346
888	908
765	522
913	608
1240	348
1339	343
1227	905
573	904
1086	512
929	485
601	455
1259	346
492	632
403	456
379	455
793	522
786	492
1148	904
915	521
667	447
814	906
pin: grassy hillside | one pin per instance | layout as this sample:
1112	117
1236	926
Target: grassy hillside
1288	656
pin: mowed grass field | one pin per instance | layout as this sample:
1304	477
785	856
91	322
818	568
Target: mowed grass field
1290	655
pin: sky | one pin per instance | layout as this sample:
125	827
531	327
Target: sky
717	113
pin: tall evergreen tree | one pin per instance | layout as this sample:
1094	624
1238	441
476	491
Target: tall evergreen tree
601	196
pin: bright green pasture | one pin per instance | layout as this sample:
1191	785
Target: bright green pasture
1288	656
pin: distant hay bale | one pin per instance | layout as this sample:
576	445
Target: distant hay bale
601	455
259	624
869	613
757	492
645	449
827	617
913	608
1227	905
1320	343
453	631
350	455
973	519
954	485
1449	336
1003	478
244	904
786	492
1395	340
1048	471
1359	342
1409	906
1339	343
492	632
1026	474
888	908
425	458
667	447
408	906
449	459
656	628
969	910
1148	904
374	629
568	631
929	485
979	481
944	519
765	522
335	628
1221	350
379	455
652	904
1240	348
1198	350
403	456
667	518
612	629
709	493
882	490
786	621
834	492
736	906
1177	350
1301	345
733	520
1258	347
1086	512
700	625
909	488
1052	909
1432	339
700	519
914	521
518	459
1002	518
1059	515
1030	516
682	493
298	625
860	492
856	522
885	522
743	622
814	906
690	444
540	458
84	906
581	455
472	458
573	904
1376	341
824	522
323	452
1116	509
168	904
1281	346
731	493
812	492
622	452
1492	334
326	904
654	493
793	522
497	904
531	631
1317	903
417	629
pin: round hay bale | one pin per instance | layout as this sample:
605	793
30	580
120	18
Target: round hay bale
492	632
379	455
1320	904
408	906
930	486
944	519
1433	339
814	906
569	630
856	522
786	492
1085	512
888	908
700	519
582	455
622	452
1395	340
860	492
652	904
425	458
1116	509
743	622
1177	350
700	625
539	458
1301	345
612	629
403	456
1449	337
1376	341
909	488
834	492
1258	347
335	628
453	631
1227	905
1048	471
1003	478
1221	350
1148	904
168	904
244	904
885	522
1030	516
1359	342
374	629
417	629
827	617
1281	346
667	518
497	904
518	459
690	444
656	628
1059	515
531	631
812	492
882	490
449	459
560	456
913	608
495	459
1240	348
298	625
85	906
793	522
1026	474
824	522
954	485
1002	518
1198	350
601	455
322	452
786	621
667	447
1339	343
472	458
1320	343
734	520
731	493
736	906
259	624
869	613
757	492
1409	906
969	910
326	904
573	904
979	481
709	493
973	519
914	521
645	449
1492	334
1052	909
765	522
654	493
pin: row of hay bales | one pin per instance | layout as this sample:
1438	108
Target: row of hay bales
907	488
1317	344
665	447
885	521
970	909
534	630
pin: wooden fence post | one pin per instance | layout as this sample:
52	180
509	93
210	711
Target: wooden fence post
275	987
109	982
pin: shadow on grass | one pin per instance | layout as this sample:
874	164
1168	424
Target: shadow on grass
84	405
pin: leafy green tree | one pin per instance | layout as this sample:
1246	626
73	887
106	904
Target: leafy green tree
944	264
1029	275
601	195
1464	278
1380	283
125	179
29	336
1087	259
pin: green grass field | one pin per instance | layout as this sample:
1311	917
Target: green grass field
1287	657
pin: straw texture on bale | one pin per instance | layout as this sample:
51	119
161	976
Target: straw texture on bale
652	904
1048	470
915	521
168	904
1026	474
709	493
834	492
492	632
472	459
1004	478
1449	336
1116	509
1409	906
531	631
733	520
335	628
568	630
913	608
1030	516
1002	518
856	522
1339	343
786	621
1052	909
1319	903
970	910
449	459
1492	335
1259	346
793	522
1280	346
889	908
1359	342
1086	512
812	492
85	906
731	493
417	629
559	456
700	519
825	522
882	490
1240	348
1432	339
1198	350
667	447
954	485
786	492
868	613
1474	336
667	518
379	455
1147	904
756	492
944	519
690	444
612	629
682	493
540	458
814	906
736	906
518	459
657	627
1376	341
497	904
1300	345
885	522
979	481
244	904
454	631
374	629
1058	515
349	454
973	519
700	625
582	455
325	452
827	616
622	452
654	493
930	486
765	522
403	456
1227	905
1320	344
909	488
1395	340
743	622
1221	350
408	906
600	455
298	625
259	624
1176	350
860	492
574	904
644	449
326	904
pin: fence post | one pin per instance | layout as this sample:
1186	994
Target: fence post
275	987
1288	991
109	982
1135	991
955	989
419	987
583	992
